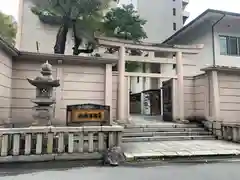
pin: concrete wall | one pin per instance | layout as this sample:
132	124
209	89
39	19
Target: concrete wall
229	92
201	95
31	29
82	84
205	57
5	86
79	84
196	95
188	96
23	91
227	28
160	18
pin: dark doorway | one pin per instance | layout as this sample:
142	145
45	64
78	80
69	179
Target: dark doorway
167	100
135	103
154	96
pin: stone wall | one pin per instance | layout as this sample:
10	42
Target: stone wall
201	95
23	91
82	84
188	96
5	86
79	84
229	92
196	95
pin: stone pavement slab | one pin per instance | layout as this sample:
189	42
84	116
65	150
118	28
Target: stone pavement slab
179	149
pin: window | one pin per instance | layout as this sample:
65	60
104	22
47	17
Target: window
223	45
229	45
233	46
174	26
174	11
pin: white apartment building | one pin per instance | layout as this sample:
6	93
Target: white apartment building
164	17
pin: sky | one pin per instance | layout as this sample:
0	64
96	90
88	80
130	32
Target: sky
195	7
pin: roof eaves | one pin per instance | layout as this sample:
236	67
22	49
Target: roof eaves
86	59
8	48
222	68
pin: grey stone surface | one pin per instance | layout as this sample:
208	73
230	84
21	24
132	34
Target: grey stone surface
43	111
63	171
182	148
51	157
113	156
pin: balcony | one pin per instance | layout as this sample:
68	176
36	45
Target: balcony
186	15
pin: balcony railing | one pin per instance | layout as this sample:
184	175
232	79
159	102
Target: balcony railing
57	143
225	131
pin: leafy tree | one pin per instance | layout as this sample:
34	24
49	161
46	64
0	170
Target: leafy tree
86	18
8	28
83	16
124	23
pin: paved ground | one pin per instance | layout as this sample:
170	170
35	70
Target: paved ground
175	148
180	148
221	171
140	119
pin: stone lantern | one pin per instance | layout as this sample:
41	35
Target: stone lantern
43	111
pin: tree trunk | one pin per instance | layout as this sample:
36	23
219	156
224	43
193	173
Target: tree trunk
78	41
61	37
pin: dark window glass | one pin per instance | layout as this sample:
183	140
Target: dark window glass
174	11
233	46
174	26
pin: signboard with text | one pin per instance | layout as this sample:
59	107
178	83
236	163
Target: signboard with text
86	113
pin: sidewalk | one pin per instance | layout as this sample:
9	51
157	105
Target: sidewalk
182	149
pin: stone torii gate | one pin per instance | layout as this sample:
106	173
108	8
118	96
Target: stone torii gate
178	50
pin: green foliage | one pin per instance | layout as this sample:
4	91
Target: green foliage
121	22
124	23
84	16
88	14
8	28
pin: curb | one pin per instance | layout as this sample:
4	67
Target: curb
183	159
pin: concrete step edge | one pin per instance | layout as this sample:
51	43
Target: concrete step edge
163	130
162	126
212	157
166	138
150	134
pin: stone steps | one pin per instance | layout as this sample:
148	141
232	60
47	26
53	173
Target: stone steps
173	133
162	129
166	138
162	125
165	132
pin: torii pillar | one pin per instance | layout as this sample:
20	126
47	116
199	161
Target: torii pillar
121	85
180	85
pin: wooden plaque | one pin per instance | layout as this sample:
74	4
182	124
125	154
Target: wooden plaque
87	113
